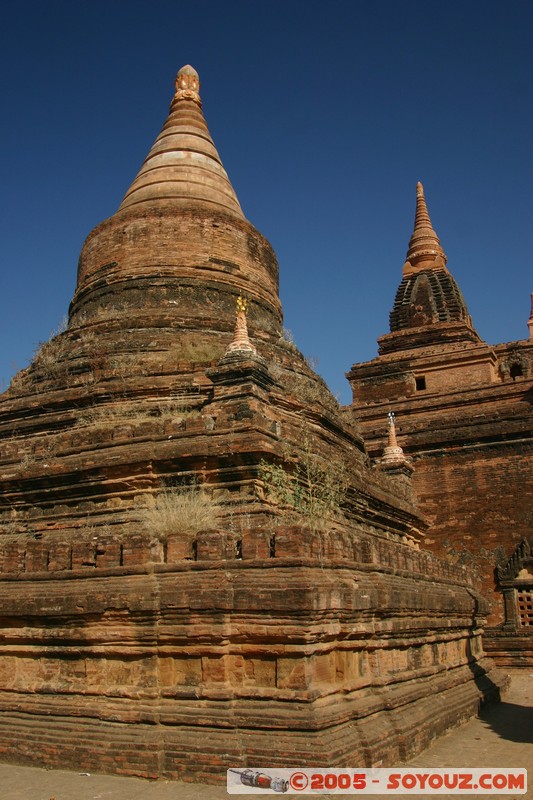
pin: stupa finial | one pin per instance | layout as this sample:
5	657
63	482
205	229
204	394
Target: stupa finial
242	304
392	440
188	85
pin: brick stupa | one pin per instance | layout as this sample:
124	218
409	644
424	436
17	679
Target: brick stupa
301	623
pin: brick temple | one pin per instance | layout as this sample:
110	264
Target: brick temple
303	607
463	412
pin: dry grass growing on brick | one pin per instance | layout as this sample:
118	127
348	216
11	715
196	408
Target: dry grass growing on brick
175	409
185	510
199	352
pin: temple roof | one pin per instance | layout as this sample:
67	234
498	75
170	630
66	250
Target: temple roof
428	297
183	164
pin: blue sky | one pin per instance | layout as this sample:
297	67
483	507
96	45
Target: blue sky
325	116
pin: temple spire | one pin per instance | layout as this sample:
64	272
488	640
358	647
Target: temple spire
425	250
183	165
530	320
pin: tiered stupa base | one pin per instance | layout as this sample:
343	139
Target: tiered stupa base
361	656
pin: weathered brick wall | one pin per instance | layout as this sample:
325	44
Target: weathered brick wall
482	507
472	448
195	250
341	655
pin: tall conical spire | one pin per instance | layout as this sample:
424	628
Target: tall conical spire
183	164
425	250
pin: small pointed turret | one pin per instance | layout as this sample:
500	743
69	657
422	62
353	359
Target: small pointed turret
530	320
183	164
425	250
241	342
393	455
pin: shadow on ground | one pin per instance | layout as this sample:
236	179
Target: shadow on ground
509	720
